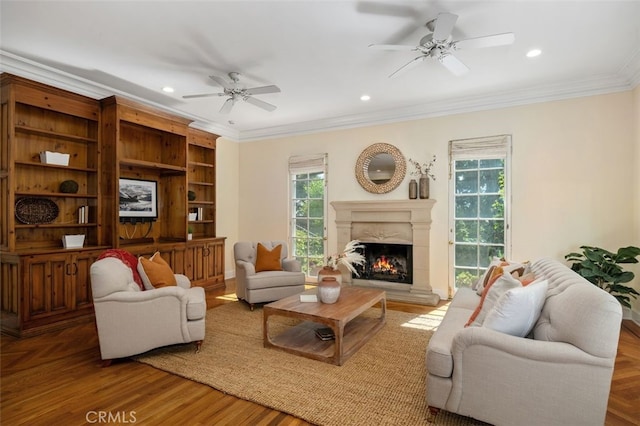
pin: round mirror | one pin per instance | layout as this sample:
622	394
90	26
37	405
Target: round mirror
380	168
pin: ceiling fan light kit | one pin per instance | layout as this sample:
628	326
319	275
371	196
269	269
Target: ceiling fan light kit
439	44
236	93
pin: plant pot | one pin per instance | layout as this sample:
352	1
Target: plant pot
328	290
424	187
327	271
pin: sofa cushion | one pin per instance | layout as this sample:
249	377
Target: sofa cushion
268	260
497	288
517	310
439	358
155	272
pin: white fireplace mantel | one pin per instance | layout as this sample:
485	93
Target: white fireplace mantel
395	222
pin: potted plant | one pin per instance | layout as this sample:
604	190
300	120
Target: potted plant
189	233
601	267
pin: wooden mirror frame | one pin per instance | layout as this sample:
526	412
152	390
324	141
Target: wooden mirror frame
362	168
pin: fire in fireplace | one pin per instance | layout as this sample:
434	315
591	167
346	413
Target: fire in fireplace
386	262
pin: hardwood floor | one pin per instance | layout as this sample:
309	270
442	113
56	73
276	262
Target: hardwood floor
57	378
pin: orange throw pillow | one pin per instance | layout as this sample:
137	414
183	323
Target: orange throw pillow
158	271
268	260
495	274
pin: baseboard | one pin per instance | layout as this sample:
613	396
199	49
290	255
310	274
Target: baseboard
633	315
229	274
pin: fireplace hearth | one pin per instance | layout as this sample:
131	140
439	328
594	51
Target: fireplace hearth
386	262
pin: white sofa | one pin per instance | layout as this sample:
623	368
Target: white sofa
560	374
130	321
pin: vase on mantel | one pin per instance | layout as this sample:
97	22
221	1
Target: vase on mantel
329	283
413	189
423	187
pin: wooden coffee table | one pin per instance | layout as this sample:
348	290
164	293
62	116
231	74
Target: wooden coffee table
351	329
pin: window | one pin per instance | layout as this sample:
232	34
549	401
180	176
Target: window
479	194
308	207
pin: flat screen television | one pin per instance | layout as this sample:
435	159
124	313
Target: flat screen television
138	200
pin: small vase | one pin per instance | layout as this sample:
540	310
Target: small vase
328	290
424	187
413	189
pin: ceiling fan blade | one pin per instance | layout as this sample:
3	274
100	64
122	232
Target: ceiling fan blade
221	81
408	66
453	64
226	107
392	47
262	90
261	104
203	95
444	26
485	41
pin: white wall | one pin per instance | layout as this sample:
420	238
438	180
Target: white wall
636	190
572	164
228	189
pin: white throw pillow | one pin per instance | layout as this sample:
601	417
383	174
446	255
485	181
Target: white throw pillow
503	284
482	281
517	310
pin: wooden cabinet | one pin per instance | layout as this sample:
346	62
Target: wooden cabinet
42	284
148	144
36	211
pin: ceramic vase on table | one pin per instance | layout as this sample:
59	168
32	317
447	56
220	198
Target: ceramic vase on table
329	283
423	185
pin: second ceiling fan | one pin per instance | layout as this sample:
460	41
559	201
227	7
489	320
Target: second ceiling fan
439	44
236	93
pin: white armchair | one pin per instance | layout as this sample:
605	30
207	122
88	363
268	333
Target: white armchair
265	286
130	321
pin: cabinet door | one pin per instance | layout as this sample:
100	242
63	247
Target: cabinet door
196	266
48	286
214	261
80	268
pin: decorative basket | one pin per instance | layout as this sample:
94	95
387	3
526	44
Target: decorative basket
32	210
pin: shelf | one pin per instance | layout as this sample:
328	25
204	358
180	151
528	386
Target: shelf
196	222
152	165
55	225
199	164
201	203
55	166
55	194
202	183
57	135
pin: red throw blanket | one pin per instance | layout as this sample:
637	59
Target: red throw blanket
128	259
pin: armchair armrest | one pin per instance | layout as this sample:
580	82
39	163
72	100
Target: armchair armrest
142	296
247	268
291	265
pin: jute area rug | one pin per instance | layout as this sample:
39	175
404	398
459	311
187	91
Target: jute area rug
381	384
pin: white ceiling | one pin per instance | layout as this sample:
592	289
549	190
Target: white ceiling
317	53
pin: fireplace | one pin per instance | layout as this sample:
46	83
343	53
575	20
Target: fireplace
390	224
386	262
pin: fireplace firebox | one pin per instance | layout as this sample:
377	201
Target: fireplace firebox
387	262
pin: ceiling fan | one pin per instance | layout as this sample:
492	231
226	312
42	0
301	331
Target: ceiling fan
236	92
440	45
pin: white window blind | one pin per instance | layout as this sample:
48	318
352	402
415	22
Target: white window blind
487	147
307	163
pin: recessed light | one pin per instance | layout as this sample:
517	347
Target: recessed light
365	97
167	89
533	53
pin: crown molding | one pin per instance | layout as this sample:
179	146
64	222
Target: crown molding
45	74
627	78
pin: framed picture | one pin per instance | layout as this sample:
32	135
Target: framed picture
138	200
